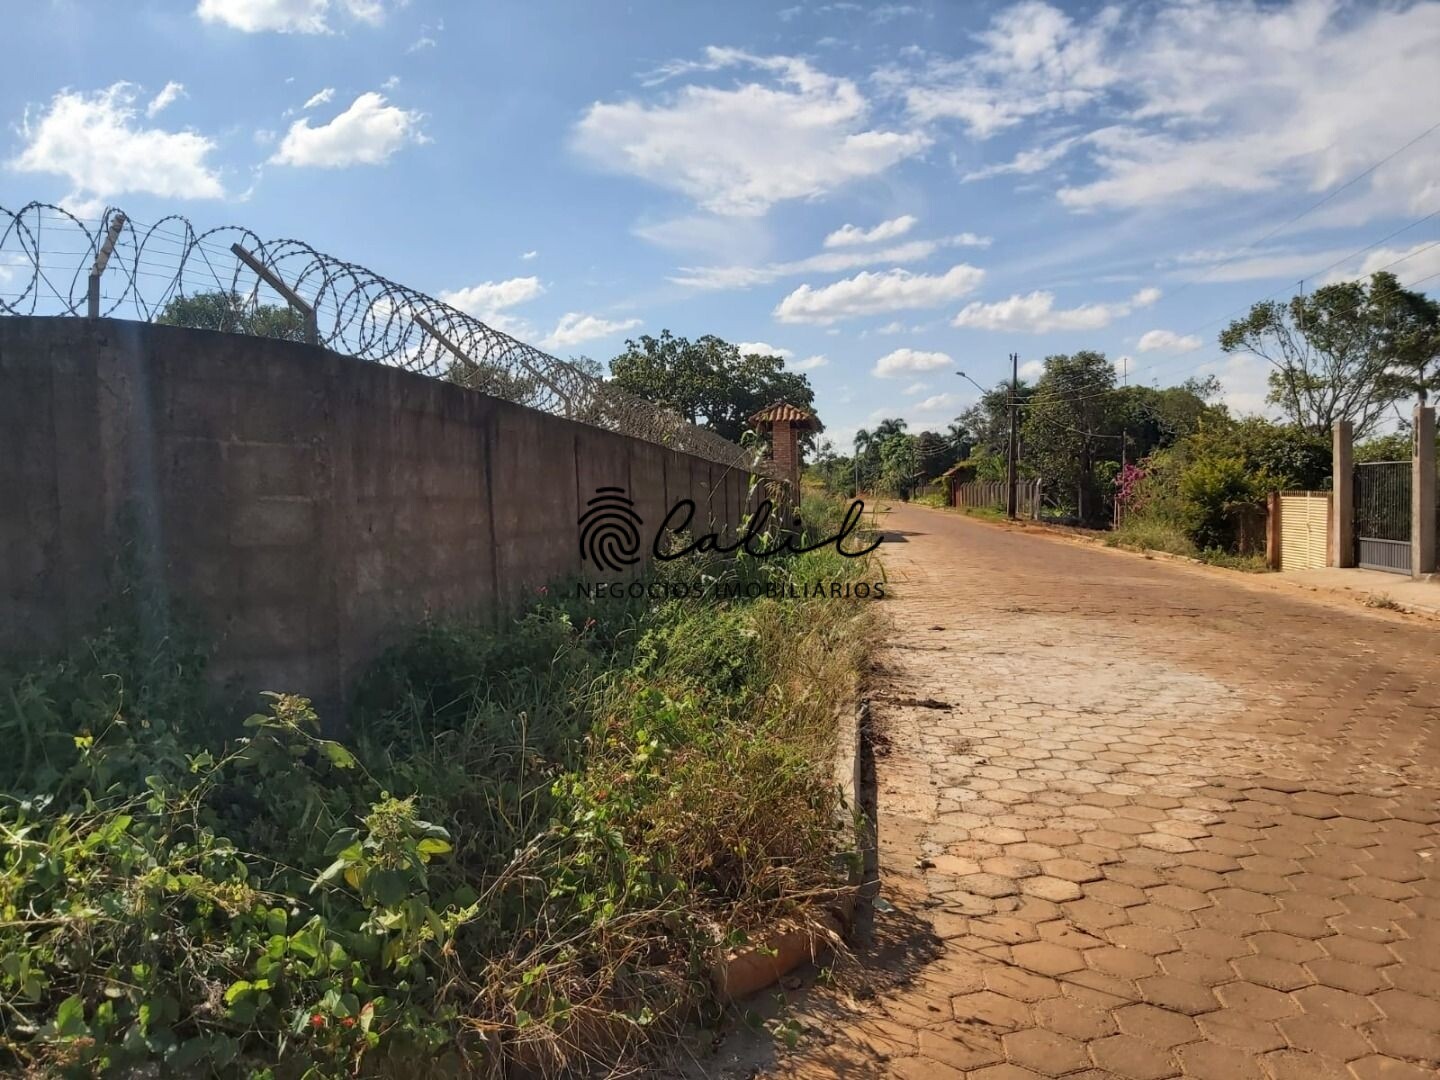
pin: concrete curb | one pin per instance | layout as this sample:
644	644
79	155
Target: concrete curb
756	966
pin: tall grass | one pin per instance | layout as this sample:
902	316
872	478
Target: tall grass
1152	533
532	847
1145	532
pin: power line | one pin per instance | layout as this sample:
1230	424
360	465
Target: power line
1311	208
1314	274
1317	273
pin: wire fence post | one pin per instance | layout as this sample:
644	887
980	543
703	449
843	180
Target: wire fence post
294	299
460	354
102	259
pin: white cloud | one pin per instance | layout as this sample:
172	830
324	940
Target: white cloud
575	328
969	239
797	134
165	98
285	16
761	348
895	326
909	361
730	241
1258	265
890	12
258	16
488	297
915	388
1032	369
1187	101
870	293
1168	341
320	97
937	402
527	256
1034	61
1035	313
1244	381
370	11
94	141
367	133
848	235
1026	162
1322	266
1418	262
826	262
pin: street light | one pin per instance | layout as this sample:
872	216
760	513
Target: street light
972	382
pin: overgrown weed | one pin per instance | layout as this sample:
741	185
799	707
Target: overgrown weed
532	846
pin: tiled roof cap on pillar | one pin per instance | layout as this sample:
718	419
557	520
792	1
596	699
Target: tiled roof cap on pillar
785	423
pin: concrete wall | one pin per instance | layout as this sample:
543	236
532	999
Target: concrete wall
310	508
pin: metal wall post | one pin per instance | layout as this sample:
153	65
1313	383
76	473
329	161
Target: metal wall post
294	299
1342	506
1422	493
102	259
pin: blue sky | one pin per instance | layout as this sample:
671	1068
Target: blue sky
887	192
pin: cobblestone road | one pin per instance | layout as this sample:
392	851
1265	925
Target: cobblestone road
1162	822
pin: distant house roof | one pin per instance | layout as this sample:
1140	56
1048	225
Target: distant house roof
784	411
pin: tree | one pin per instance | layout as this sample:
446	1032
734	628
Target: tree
987	422
961	440
1330	352
1070	427
493	380
707	380
230	313
1409	338
835	472
869	446
936	452
899	463
1151	419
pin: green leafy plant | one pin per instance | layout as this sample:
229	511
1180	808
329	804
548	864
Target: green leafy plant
530	846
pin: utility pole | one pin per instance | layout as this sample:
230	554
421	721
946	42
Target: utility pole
1012	472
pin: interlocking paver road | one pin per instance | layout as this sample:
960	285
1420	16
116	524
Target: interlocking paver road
1171	822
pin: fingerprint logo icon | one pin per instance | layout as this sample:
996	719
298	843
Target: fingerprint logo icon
610	530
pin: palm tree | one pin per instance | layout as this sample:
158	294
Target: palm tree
886	428
865	444
959	436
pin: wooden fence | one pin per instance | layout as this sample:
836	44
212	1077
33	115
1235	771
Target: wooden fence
992	494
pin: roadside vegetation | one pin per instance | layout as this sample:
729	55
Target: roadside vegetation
532	844
1172	468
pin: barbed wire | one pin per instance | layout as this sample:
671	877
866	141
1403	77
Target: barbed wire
47	254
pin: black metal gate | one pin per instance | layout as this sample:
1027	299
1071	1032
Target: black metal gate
1382	515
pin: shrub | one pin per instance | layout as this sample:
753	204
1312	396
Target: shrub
532	844
1213	490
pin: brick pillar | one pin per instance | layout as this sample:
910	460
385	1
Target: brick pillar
1422	493
1342	506
785	449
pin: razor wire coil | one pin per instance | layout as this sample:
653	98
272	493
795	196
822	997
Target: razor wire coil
47	254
